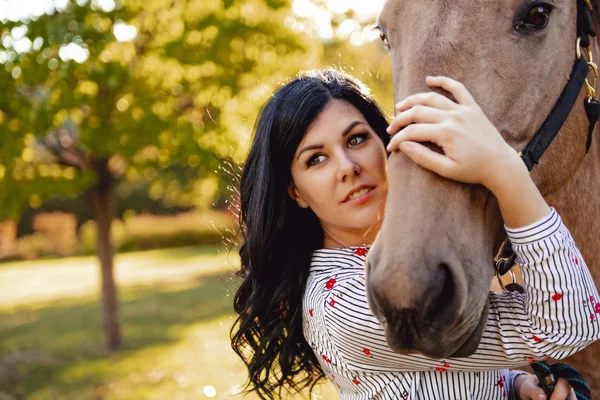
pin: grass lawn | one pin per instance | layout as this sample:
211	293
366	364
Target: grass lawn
176	312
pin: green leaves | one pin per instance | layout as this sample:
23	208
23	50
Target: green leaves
185	78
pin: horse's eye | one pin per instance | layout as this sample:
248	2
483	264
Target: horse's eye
384	39
537	17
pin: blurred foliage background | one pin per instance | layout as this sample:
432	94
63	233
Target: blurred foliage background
123	128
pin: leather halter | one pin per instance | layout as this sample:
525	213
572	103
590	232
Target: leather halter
545	135
506	258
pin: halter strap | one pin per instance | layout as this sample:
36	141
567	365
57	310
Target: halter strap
547	133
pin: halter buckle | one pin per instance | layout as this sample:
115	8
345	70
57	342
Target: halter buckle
501	284
591	88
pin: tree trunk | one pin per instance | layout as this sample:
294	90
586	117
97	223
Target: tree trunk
101	200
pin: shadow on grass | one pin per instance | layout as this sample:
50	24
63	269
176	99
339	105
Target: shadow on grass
38	344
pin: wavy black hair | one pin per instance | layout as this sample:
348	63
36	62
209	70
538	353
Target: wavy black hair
279	236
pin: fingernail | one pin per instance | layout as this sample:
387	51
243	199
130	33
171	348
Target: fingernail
388	130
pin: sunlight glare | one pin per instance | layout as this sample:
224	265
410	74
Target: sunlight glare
15	10
209	391
124	32
73	51
364	12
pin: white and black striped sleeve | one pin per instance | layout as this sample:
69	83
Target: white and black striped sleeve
557	315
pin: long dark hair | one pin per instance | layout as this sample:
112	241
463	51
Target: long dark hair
279	236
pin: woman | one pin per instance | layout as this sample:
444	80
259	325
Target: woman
312	196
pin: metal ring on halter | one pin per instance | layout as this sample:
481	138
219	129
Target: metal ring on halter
594	69
590	56
499	279
591	89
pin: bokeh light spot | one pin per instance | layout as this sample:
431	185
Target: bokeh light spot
209	391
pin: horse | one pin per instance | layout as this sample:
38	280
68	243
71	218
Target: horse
516	58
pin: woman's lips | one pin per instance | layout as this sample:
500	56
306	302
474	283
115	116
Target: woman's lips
362	198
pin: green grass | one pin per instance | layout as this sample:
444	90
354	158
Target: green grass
176	312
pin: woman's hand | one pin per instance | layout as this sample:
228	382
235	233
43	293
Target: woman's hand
526	388
474	151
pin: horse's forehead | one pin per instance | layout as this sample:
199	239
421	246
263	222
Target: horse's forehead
438	10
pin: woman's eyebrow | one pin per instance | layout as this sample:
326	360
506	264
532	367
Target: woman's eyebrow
351	126
320	146
312	147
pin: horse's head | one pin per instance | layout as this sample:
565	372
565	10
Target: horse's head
430	269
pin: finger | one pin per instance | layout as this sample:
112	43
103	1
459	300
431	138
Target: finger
416	115
430	99
529	390
417	133
428	159
458	90
562	390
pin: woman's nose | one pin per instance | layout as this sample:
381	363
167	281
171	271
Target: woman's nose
347	168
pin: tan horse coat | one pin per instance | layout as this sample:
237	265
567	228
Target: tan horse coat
516	78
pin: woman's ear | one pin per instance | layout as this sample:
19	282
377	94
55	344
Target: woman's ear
295	195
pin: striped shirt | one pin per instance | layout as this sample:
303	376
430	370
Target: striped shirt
556	317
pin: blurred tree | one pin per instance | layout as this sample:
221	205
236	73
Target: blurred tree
351	41
99	91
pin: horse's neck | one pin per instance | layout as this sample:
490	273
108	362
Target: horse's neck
578	202
579	205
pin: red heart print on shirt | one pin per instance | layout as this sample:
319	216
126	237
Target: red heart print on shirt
361	251
330	284
557	297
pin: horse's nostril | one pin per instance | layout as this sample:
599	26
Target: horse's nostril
439	306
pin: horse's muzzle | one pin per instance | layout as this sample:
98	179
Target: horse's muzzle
427	316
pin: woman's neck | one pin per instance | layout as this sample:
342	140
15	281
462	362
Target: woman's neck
349	238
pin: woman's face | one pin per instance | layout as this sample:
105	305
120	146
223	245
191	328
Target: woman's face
339	171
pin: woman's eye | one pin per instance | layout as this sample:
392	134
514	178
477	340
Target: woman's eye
316	159
537	17
357	139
